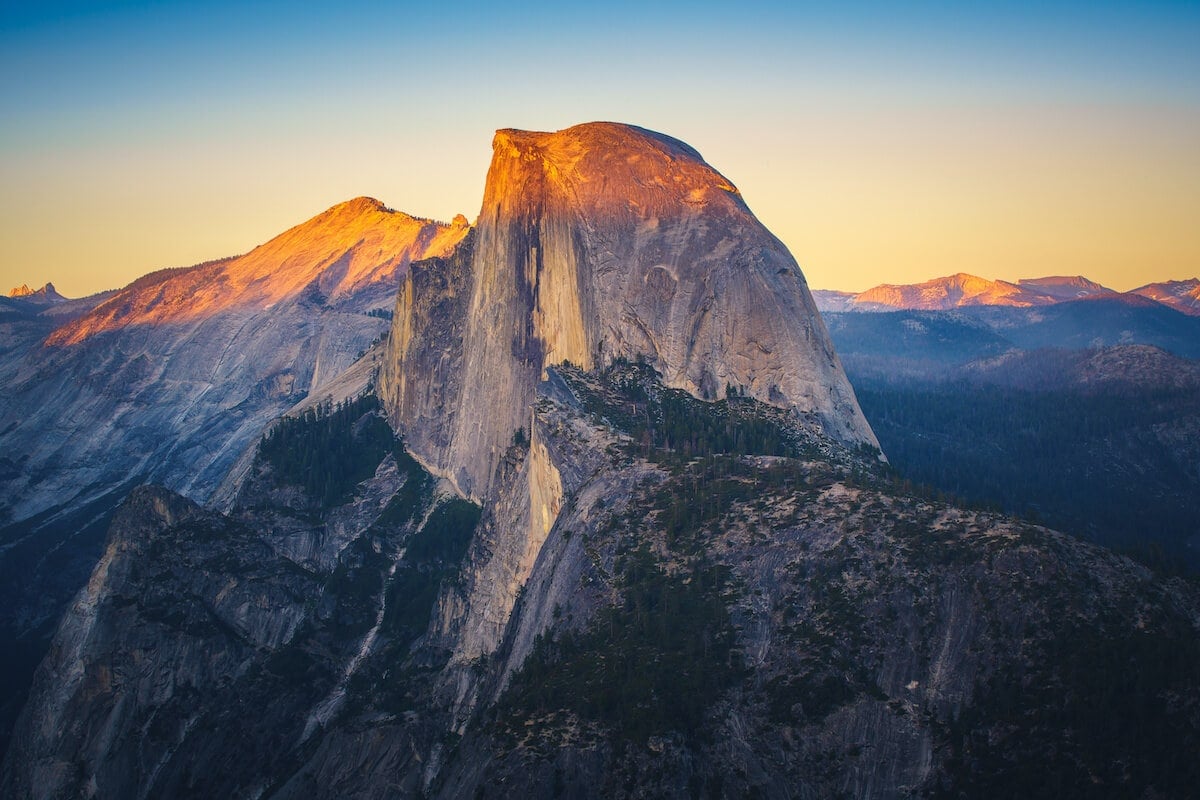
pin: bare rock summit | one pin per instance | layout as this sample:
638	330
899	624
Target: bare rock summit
599	242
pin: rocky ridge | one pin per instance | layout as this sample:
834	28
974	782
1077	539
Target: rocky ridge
47	295
964	291
169	381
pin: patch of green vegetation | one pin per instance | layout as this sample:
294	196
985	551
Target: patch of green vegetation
648	666
1097	465
1104	710
329	450
669	425
433	554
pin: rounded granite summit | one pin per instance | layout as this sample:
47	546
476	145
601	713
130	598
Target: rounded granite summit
598	242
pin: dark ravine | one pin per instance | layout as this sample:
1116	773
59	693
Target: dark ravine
636	541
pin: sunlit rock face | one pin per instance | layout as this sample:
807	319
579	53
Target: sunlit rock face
337	255
169	377
952	291
597	242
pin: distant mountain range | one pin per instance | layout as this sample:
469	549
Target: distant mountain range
1056	397
43	296
963	290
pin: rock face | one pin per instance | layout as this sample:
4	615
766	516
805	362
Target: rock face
594	243
192	618
171	379
47	295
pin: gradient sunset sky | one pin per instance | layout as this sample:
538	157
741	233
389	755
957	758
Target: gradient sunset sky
881	142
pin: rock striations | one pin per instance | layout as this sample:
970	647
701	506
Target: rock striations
594	243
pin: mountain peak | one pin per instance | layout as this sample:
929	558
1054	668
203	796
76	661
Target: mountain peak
347	247
611	167
596	243
359	205
1066	287
940	294
611	136
45	295
963	289
1183	296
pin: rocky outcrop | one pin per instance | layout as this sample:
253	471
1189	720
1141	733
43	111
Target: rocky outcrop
170	380
599	242
45	296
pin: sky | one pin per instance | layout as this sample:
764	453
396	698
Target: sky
880	142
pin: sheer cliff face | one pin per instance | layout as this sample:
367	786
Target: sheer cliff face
605	241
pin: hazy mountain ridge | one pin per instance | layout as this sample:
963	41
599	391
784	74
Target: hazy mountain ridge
1081	413
1101	442
963	290
1180	295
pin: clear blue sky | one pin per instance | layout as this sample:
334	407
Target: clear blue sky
880	143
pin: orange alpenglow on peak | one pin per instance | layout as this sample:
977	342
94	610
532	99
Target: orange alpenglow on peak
45	295
349	246
954	291
610	167
1183	296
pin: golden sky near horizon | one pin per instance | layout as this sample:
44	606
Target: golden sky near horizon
1005	147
